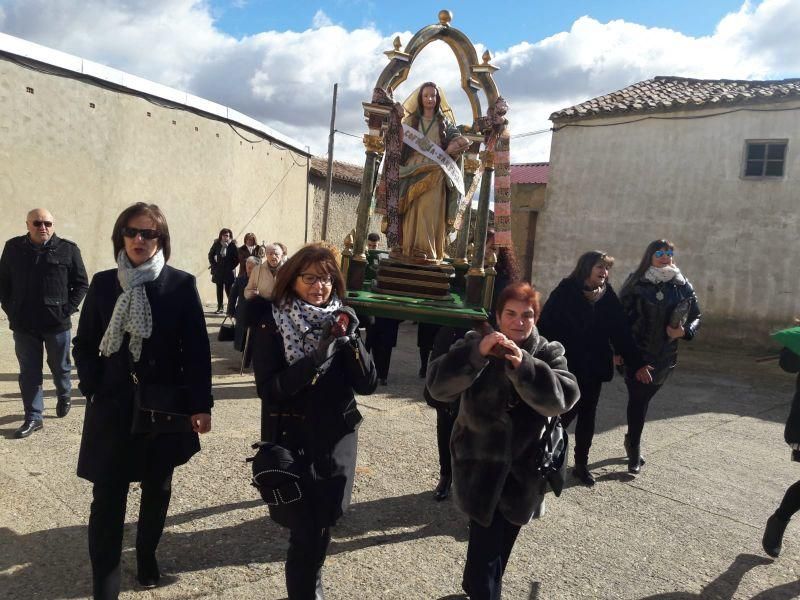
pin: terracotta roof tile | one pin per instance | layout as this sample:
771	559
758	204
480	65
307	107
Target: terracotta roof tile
530	172
666	93
342	171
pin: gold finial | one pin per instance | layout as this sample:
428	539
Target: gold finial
470	251
486	57
491	259
445	16
349	240
396	43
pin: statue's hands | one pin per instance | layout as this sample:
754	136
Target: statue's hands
457	145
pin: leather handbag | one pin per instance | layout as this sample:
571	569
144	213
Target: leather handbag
159	407
552	455
281	476
227	331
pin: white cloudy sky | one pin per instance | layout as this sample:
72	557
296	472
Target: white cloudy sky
285	78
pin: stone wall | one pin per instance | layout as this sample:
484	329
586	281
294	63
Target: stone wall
85	152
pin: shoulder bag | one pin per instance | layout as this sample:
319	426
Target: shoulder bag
158	407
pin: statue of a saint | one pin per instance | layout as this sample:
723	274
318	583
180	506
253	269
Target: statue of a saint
430	179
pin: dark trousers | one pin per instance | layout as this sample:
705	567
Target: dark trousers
487	556
382	355
106	521
445	419
585	411
30	348
227	287
639	396
790	503
304	559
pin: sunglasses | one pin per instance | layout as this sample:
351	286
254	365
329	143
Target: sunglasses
47	224
311	278
147	234
660	253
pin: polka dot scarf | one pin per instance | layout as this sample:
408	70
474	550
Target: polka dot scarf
132	311
300	324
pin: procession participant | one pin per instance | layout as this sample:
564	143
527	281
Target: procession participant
585	315
141	332
307	371
42	283
223	259
508	382
662	308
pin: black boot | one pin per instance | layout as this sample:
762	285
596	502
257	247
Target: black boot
147	573
627	444
442	490
582	474
773	535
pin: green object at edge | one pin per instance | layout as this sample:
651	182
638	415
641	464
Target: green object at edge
790	338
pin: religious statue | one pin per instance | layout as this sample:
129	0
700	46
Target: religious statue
430	180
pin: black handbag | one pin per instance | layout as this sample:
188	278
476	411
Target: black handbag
281	476
552	456
227	331
159	407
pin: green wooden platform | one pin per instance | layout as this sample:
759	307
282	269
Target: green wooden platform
451	313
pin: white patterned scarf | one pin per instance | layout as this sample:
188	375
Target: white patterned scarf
664	274
132	312
300	324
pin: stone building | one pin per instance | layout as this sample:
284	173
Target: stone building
712	165
343	205
528	187
85	141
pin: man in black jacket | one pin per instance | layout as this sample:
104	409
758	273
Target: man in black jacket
42	283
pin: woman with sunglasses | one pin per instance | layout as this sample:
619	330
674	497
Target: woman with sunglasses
662	308
308	362
141	328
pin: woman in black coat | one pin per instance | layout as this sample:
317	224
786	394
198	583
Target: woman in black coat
142	326
776	524
585	315
662	308
307	368
223	258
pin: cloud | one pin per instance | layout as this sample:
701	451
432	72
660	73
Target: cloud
285	78
321	19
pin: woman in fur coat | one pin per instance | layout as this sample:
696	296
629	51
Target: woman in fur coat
508	382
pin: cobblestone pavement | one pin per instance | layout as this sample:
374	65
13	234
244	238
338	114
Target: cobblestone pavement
688	527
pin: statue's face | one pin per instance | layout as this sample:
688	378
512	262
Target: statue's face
429	97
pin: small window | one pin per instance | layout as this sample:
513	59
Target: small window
765	159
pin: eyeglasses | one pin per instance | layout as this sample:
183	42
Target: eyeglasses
660	253
311	278
147	234
47	224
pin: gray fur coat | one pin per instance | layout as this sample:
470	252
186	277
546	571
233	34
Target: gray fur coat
500	423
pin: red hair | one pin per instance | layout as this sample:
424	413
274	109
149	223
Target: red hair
522	291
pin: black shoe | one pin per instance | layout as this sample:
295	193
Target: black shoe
627	444
147	573
27	428
582	474
382	382
635	464
442	490
62	407
773	536
423	372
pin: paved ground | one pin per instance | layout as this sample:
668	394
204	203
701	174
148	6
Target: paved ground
688	527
